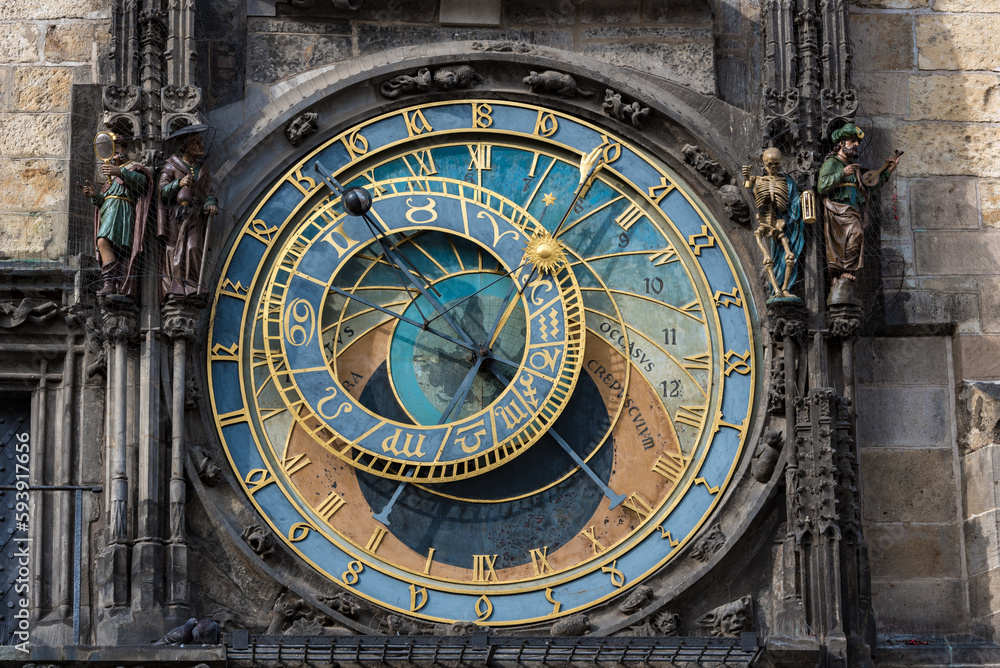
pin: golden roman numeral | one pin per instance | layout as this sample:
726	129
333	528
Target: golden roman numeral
483	568
294	464
671	466
233	417
377	190
376	539
665	256
425	163
330	505
596	544
629	216
416	123
481	157
430	560
539	559
692	416
639	506
697	362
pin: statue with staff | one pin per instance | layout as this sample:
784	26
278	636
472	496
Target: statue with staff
185	205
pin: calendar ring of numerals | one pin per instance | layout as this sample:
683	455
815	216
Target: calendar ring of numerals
512	390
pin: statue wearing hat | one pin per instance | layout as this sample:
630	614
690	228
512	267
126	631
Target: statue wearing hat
120	218
780	221
186	200
845	192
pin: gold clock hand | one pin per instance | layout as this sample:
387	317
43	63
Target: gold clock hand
588	165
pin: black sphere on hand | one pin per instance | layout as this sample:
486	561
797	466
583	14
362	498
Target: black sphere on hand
356	201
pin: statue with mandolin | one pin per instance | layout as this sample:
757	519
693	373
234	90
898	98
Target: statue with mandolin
846	192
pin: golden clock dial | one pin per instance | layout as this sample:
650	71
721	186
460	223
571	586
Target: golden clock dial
508	393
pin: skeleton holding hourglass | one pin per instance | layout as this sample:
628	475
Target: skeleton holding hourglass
779	220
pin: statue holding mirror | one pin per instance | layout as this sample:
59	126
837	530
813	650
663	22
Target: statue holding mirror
121	204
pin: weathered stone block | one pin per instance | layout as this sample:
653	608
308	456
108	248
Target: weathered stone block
34	135
882	42
33	185
41	88
890	4
19	43
609	11
989	203
690	64
984	589
955	97
903	416
982	551
957	42
967	5
884	94
944	204
28	236
275	56
908	485
908	606
979	425
55	9
687	11
470	12
534	13
901	361
926	307
949	149
900	551
977	357
957	253
989	303
69	42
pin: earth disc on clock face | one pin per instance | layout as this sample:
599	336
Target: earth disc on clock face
502	397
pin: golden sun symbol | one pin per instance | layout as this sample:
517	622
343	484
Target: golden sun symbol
545	252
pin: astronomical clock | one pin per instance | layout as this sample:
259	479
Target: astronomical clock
482	361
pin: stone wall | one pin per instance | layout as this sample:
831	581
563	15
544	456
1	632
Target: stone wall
926	71
45	48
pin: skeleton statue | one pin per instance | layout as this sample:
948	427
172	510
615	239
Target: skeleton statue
779	219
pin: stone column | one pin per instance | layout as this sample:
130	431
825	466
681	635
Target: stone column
179	323
119	329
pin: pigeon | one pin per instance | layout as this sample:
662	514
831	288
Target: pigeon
178	635
206	632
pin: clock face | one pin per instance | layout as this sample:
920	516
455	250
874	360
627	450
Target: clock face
514	388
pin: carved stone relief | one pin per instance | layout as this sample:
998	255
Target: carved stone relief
302	127
614	107
729	620
637	600
445	78
260	540
709	544
574	625
551	82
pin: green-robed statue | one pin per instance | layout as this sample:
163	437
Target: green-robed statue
845	194
120	220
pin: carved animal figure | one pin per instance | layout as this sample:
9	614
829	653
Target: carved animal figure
302	127
394	87
554	82
461	76
637	600
574	625
179	635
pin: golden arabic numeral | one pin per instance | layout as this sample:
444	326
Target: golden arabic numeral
350	576
546	124
617	577
556	605
299	531
297	179
484	608
728	299
482	115
298	316
418	597
258	479
261	231
222	353
356	144
612	150
416	123
658	192
738	363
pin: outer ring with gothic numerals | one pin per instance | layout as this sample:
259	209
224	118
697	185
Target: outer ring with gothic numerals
657	408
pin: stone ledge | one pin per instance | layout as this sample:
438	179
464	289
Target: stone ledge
126	655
